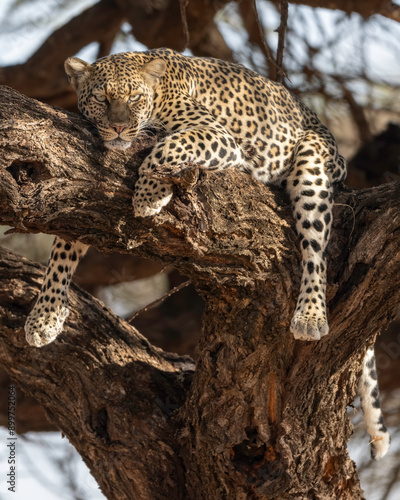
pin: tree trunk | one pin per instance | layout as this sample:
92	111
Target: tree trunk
264	416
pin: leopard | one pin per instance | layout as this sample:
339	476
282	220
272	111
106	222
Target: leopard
216	115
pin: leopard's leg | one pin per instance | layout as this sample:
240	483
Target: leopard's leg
47	317
371	407
209	147
311	193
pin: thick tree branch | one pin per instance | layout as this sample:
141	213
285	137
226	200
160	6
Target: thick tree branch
262	407
102	390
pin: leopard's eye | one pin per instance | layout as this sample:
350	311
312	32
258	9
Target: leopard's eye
100	97
134	98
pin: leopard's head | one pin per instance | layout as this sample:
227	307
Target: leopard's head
116	94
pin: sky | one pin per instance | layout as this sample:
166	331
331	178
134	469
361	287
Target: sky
44	462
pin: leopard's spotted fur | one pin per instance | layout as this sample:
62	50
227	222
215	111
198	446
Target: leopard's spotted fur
214	112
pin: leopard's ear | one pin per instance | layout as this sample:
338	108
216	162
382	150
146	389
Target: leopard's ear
77	71
153	71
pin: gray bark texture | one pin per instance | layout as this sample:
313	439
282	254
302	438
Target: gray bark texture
262	416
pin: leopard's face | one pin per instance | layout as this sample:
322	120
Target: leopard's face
118	111
116	96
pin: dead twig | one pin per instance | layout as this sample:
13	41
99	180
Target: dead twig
280	74
160	300
183	4
279	71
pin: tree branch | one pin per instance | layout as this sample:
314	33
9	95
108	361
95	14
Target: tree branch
143	385
265	414
42	75
365	8
281	41
249	14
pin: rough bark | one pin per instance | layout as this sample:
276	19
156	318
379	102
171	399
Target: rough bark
111	393
265	416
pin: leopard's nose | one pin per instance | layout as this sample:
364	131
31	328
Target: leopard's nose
119	128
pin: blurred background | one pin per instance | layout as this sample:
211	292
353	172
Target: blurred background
344	63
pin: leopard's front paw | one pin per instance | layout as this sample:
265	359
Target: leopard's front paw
149	207
309	325
43	327
141	210
150	196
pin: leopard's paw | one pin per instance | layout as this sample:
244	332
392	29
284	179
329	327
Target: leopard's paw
309	325
380	444
149	207
42	327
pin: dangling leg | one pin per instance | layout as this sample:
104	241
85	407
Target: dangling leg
311	194
371	407
46	319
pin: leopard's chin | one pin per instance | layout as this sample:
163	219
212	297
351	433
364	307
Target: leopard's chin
117	144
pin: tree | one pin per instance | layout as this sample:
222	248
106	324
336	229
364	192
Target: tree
158	23
263	416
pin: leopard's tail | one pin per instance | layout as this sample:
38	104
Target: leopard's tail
371	407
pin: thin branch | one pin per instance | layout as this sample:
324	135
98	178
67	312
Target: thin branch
265	47
279	71
159	300
182	5
281	41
